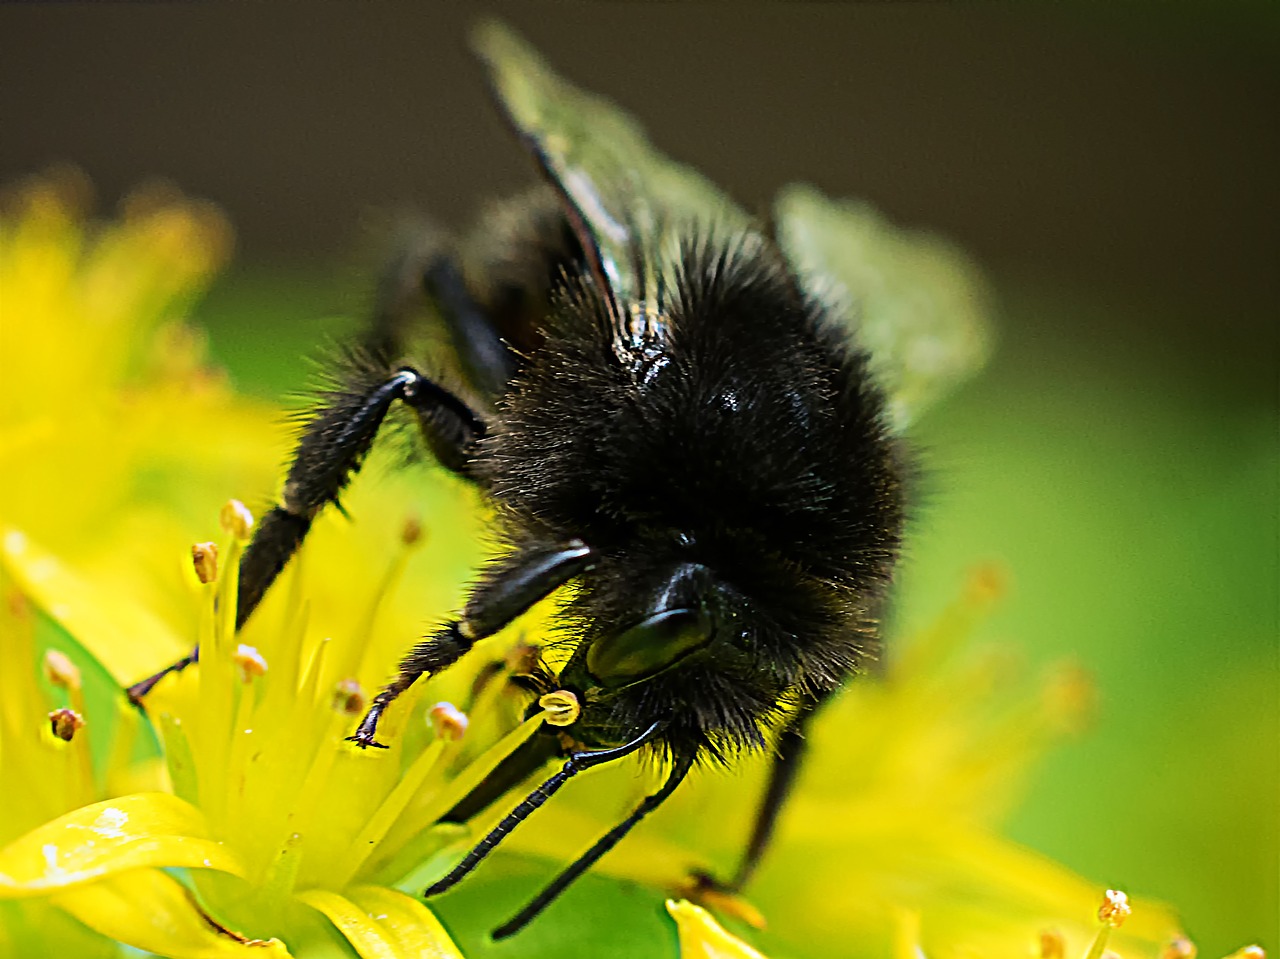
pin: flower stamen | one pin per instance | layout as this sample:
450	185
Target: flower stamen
1179	948
61	671
349	698
447	721
250	662
1115	909
204	557
64	723
1053	945
236	520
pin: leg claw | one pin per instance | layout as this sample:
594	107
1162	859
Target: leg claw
706	890
365	741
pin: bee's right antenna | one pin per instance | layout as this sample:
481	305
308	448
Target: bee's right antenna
575	764
589	858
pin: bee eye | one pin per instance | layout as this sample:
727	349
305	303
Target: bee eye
649	647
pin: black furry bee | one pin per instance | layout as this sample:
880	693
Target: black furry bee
689	418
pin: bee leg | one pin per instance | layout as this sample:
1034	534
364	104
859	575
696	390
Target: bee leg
792	746
519	581
138	691
335	439
485	360
575	764
592	855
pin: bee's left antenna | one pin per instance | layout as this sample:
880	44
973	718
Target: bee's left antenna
589	858
575	764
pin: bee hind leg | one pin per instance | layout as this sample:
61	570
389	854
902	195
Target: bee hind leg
335	439
337	434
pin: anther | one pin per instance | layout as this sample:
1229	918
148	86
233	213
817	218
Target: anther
1115	909
61	671
204	557
250	661
64	723
1052	944
448	721
348	697
562	707
1179	948
236	519
411	532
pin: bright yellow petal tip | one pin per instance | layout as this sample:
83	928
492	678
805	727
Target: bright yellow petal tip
384	924
152	911
107	838
701	937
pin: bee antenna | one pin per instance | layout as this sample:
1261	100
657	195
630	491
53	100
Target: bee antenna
588	858
575	764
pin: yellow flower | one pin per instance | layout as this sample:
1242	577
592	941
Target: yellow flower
117	441
113	433
84	863
279	820
116	435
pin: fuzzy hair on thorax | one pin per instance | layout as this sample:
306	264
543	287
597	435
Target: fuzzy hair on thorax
730	425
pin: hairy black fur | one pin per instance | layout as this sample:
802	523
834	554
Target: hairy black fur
707	472
744	436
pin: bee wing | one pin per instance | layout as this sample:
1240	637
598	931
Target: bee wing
914	303
629	201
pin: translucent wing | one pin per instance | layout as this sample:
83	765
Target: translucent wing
914	303
632	202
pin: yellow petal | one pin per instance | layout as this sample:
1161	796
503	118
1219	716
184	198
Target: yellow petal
89	843
125	638
701	937
384	924
152	911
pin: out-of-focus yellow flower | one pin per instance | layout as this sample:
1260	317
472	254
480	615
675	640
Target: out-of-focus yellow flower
116	435
116	440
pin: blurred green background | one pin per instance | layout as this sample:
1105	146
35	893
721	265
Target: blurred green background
1114	170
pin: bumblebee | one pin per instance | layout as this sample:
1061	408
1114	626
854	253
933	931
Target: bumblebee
690	423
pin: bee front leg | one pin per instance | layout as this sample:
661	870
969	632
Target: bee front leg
510	588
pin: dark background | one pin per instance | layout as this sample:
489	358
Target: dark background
1114	170
1138	149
